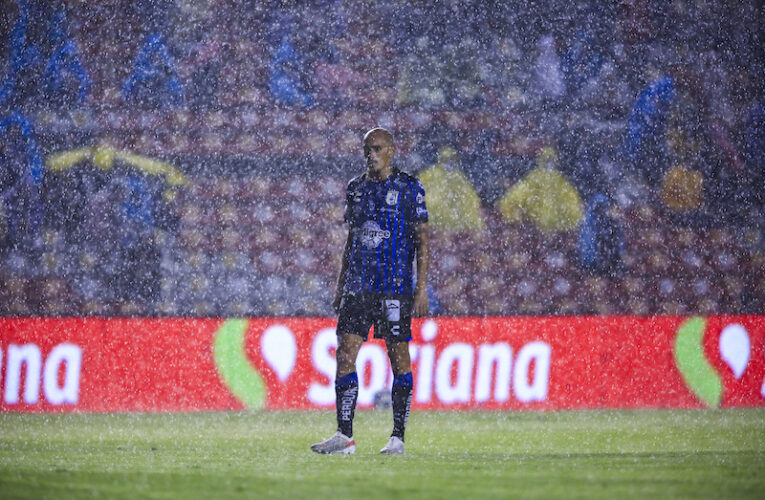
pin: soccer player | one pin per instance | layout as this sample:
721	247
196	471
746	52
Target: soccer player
388	229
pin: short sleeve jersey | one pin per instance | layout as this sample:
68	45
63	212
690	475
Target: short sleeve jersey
382	216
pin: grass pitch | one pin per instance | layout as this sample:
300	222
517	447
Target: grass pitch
589	454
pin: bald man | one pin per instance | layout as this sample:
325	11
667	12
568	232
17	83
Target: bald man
388	231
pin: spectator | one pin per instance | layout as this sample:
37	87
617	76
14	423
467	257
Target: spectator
57	27
486	170
22	177
24	59
581	150
99	240
548	77
644	140
453	204
154	82
68	196
286	79
123	217
137	278
65	80
682	192
544	197
601	239
581	61
203	66
606	95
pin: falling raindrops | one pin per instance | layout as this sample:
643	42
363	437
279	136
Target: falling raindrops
190	160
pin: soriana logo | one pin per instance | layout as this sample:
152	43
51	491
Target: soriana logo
446	373
512	363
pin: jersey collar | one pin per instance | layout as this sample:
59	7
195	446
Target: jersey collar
394	173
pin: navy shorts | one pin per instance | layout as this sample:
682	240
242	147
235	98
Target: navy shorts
391	316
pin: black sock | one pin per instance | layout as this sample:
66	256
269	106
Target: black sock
346	392
401	396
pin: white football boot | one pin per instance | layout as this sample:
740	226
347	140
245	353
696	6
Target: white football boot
394	447
338	443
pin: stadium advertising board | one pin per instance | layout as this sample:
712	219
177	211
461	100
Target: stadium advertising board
515	363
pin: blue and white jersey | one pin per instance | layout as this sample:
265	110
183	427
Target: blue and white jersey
382	216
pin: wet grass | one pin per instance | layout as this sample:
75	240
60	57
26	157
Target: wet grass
601	454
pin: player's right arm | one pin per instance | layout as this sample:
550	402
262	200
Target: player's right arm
343	271
422	241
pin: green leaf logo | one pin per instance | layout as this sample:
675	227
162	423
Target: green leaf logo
698	373
240	376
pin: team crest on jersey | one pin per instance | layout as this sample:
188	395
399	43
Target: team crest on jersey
391	198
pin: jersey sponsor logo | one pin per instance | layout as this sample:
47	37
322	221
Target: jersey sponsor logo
392	310
391	198
420	198
372	235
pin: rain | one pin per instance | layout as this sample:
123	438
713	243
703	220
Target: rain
189	158
173	179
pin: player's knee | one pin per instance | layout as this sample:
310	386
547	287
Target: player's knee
344	367
347	350
345	364
400	368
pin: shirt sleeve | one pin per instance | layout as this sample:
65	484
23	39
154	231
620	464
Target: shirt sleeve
420	210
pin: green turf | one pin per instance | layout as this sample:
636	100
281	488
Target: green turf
603	454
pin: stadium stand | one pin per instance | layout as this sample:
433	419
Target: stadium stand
259	229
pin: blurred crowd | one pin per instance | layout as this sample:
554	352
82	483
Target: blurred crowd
168	157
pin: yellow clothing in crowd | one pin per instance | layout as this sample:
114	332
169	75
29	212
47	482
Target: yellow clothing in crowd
544	196
682	189
453	204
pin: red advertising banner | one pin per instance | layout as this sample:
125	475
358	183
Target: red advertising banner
514	363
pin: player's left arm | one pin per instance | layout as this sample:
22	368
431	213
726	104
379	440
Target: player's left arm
422	243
